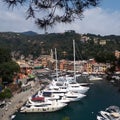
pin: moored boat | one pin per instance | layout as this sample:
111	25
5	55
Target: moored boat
94	78
45	107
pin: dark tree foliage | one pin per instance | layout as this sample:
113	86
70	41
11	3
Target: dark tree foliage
7	71
7	67
4	55
105	57
48	12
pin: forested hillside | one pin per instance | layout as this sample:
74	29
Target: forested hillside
87	45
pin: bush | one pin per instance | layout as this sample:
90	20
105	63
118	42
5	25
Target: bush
8	93
5	94
2	95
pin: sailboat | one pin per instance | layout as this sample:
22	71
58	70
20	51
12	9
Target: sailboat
65	88
67	85
73	85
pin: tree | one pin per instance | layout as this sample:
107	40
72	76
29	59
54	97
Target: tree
7	67
7	71
48	12
4	55
5	94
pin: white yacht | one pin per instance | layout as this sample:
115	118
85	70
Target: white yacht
100	118
43	106
76	87
110	116
12	117
64	99
74	96
111	113
106	115
48	95
94	78
68	86
113	109
56	90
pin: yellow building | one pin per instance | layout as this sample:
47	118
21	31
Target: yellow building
102	42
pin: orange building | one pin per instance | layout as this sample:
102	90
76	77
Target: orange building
63	65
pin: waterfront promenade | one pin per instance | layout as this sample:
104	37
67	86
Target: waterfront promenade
17	101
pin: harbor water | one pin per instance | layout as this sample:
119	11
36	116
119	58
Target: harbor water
100	96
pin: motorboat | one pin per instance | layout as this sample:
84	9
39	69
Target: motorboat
12	117
94	78
113	109
106	115
56	90
64	99
74	96
37	101
48	95
111	113
75	87
43	107
100	118
68	86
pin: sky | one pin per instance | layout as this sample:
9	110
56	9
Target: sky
103	20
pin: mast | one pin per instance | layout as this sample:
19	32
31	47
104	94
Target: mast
51	54
56	64
74	59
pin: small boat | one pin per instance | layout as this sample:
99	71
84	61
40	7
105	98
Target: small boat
94	78
12	117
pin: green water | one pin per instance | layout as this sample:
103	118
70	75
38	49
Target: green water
100	96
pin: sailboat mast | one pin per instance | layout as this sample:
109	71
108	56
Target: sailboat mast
74	59
51	54
56	64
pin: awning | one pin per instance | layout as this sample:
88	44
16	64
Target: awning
31	76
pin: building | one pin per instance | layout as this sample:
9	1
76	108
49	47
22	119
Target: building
63	65
102	42
84	38
117	54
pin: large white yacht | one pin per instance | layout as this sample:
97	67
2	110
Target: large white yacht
39	105
56	90
76	87
48	95
67	85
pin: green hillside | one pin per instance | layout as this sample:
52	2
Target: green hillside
93	46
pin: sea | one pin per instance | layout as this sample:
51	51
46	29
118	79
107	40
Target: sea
101	95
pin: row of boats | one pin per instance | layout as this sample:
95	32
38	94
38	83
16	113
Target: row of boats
55	96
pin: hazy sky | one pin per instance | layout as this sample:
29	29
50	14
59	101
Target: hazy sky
104	20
